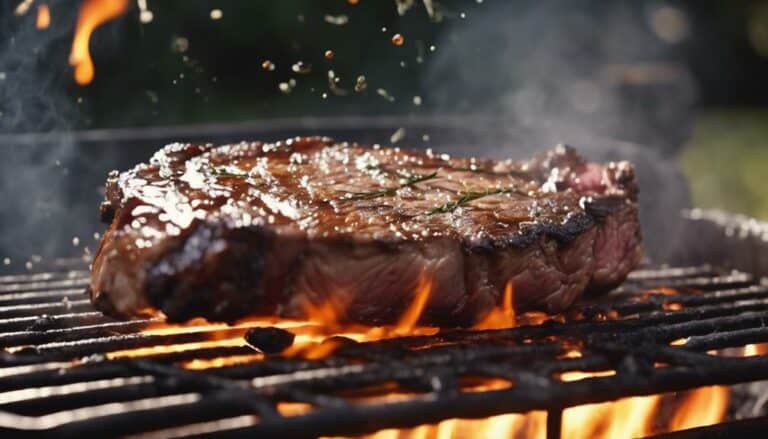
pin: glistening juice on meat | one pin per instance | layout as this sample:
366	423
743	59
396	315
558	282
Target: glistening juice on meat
226	232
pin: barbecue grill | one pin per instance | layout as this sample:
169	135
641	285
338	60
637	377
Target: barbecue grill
63	372
59	379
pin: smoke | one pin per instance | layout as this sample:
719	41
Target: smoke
612	69
31	96
36	181
604	77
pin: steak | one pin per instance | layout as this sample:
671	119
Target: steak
250	229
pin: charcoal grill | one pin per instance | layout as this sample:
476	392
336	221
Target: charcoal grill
57	379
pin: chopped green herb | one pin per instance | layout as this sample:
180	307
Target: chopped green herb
467	197
410	181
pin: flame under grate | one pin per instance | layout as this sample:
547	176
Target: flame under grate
61	372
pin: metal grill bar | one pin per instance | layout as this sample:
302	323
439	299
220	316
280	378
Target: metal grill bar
70	347
45	322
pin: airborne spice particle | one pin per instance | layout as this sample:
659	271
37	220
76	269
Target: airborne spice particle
333	84
268	65
145	15
329	54
23	7
397	135
385	94
398	39
361	84
301	67
338	20
43	17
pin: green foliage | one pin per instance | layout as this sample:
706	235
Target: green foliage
726	161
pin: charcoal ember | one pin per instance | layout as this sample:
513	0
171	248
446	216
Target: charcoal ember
269	340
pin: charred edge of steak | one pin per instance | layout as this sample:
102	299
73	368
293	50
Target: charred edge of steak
214	268
562	233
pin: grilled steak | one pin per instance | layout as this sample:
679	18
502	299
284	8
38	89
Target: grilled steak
224	232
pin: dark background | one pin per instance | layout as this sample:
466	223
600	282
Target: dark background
684	79
147	75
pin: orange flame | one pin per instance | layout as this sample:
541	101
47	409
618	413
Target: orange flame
43	17
92	14
413	313
314	339
504	317
705	406
624	418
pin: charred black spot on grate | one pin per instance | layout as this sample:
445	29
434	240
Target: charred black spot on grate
269	340
60	376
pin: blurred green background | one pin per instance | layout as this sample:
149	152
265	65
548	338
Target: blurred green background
726	160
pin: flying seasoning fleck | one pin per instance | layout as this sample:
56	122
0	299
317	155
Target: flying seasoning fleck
333	84
7	261
75	241
417	101
397	135
353	2
398	39
338	20
268	65
23	7
301	67
404	5
285	87
180	44
385	94
329	54
216	14
43	17
145	15
361	84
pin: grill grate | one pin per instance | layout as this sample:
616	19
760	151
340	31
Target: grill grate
57	377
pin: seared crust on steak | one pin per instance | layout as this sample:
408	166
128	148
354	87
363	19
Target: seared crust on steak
225	232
